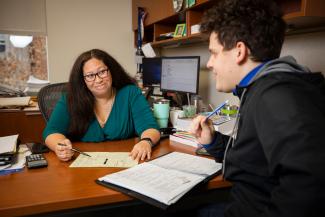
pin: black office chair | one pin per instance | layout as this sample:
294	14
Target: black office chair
48	96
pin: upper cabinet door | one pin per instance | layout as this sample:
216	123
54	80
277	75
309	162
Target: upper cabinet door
156	10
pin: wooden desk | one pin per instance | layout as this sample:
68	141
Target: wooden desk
28	124
60	188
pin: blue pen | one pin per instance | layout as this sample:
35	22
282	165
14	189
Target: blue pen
217	109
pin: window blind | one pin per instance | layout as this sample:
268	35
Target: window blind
23	17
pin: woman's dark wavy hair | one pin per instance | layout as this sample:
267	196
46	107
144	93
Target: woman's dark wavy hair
80	99
257	23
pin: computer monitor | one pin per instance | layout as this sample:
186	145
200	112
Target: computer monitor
151	73
180	74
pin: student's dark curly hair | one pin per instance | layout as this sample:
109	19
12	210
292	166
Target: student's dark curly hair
257	23
80	100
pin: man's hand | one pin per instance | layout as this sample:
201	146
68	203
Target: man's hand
202	129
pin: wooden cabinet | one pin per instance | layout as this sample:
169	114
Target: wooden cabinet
28	124
161	18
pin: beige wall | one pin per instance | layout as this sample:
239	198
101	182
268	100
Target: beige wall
74	26
308	49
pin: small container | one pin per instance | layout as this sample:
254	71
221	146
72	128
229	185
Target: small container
161	112
197	101
189	111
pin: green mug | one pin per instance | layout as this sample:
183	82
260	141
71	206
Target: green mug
161	112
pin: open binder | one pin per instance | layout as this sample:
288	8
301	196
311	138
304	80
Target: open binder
163	181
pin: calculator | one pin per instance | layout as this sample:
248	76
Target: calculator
36	161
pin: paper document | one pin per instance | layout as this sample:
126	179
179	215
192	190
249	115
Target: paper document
148	51
165	179
104	159
8	144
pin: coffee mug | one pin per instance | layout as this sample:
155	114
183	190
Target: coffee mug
174	115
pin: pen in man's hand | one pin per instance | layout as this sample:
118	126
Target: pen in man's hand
217	109
76	150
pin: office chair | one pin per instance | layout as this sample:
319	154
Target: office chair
48	97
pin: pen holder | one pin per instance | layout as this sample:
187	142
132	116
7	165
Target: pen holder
161	112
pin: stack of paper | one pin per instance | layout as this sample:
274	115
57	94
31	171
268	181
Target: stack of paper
8	91
14	102
184	138
34	85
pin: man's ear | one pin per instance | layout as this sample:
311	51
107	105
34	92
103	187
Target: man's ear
242	52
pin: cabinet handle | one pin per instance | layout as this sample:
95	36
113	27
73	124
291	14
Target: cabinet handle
32	113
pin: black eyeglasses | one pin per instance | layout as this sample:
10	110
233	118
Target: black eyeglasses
101	74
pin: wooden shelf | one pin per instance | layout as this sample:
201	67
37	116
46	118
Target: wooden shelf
192	39
299	15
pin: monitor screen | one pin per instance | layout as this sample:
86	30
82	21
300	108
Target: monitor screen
151	71
180	74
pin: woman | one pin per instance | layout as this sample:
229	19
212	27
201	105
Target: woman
102	103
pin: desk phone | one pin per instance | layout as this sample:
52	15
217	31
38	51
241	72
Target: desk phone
36	161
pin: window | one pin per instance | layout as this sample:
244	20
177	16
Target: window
18	64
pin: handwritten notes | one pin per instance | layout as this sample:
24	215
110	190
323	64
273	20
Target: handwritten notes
104	159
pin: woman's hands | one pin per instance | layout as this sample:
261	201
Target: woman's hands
64	151
141	151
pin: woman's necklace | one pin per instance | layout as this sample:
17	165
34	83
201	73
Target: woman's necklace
103	113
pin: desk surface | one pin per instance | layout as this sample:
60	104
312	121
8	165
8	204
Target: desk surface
59	187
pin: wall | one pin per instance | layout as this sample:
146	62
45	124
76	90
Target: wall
75	26
308	49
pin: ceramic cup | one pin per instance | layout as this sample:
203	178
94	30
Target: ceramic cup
174	115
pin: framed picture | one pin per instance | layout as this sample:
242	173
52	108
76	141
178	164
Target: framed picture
180	30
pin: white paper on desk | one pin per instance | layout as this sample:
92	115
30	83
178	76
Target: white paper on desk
148	50
6	102
98	159
8	143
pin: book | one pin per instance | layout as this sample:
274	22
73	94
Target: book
163	181
184	138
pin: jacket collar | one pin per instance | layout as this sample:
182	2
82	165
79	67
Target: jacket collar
237	91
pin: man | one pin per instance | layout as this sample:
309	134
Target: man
275	158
